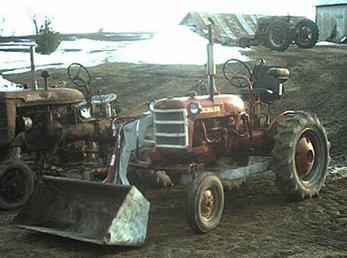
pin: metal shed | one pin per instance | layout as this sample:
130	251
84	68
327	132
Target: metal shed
331	18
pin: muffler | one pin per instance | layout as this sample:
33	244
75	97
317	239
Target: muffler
104	214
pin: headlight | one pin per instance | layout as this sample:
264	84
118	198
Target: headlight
85	112
28	123
195	108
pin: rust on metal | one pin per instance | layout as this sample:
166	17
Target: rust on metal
207	204
103	214
44	97
304	156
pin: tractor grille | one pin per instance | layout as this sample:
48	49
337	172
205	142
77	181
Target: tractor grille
170	128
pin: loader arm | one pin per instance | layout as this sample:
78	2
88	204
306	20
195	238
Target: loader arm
130	137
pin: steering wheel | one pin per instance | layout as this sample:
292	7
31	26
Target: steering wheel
235	70
79	75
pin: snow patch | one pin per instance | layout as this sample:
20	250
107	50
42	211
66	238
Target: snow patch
176	45
6	85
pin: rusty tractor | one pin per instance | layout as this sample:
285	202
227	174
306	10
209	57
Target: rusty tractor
217	140
35	123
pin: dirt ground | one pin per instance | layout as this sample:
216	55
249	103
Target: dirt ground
257	221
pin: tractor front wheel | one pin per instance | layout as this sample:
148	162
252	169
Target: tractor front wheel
300	155
205	203
16	184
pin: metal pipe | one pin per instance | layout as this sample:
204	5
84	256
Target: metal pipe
205	134
32	68
45	76
211	67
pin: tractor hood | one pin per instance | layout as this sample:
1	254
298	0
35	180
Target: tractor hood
224	103
43	97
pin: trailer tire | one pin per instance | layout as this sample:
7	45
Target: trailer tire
300	155
306	34
205	203
277	36
17	182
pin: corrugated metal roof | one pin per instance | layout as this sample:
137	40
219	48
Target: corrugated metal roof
229	27
330	2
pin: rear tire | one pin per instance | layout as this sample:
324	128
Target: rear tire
277	36
306	34
205	203
300	155
16	184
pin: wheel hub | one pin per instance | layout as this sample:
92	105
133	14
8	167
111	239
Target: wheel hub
304	156
305	34
207	204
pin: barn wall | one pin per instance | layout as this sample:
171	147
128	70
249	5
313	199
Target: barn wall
329	19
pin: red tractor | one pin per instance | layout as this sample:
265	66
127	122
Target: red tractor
216	139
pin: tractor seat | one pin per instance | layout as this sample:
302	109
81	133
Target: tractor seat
280	73
268	82
266	95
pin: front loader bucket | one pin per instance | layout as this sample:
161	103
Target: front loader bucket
88	211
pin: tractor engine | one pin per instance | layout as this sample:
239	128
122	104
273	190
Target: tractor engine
201	129
196	129
43	121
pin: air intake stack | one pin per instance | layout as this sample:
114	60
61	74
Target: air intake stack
211	67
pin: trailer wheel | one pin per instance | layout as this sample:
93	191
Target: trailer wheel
300	155
278	36
205	203
306	34
16	184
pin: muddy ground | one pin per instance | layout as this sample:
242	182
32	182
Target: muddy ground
258	221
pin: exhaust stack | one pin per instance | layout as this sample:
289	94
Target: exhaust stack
211	67
32	68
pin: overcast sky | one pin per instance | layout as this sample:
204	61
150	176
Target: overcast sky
132	15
